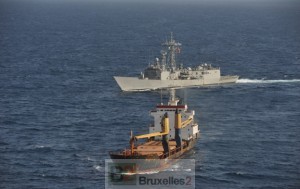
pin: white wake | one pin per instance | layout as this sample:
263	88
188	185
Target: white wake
267	81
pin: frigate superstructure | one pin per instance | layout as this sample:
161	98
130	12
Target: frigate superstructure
166	73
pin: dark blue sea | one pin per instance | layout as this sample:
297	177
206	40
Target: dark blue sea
61	111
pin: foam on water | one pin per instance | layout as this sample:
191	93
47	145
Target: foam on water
267	81
142	173
98	168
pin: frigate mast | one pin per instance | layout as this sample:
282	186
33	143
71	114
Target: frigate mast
172	47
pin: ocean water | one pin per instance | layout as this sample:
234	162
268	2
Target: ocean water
61	112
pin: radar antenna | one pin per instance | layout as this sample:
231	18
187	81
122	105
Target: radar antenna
172	48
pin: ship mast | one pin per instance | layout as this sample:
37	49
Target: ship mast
173	101
172	48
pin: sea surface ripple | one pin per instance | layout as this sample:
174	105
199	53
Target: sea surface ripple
61	112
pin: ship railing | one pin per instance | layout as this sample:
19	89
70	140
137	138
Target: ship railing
125	152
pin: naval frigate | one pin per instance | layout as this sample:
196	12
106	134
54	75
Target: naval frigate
165	73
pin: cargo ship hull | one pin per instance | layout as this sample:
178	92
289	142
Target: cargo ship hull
154	162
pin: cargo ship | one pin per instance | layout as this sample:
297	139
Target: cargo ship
166	72
172	134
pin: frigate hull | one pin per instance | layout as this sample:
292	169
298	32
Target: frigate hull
138	84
